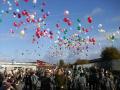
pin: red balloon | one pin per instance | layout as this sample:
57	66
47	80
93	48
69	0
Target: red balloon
93	40
51	37
90	40
90	19
66	20
24	12
41	33
38	29
86	30
33	20
37	34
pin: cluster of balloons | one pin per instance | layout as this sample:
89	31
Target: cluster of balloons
65	38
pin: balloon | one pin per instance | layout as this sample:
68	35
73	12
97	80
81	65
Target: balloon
51	37
34	1
66	19
22	32
19	15
16	2
11	31
58	32
26	0
100	26
86	30
32	17
28	19
64	37
66	12
78	20
78	28
17	10
90	19
79	25
25	13
43	3
51	33
93	40
10	8
42	10
15	24
57	25
101	30
69	23
44	16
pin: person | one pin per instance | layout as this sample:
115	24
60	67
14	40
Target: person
118	83
82	81
27	81
46	81
109	82
69	82
34	79
1	79
60	79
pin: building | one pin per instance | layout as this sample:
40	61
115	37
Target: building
16	65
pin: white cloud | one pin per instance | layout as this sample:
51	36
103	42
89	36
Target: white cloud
116	19
95	11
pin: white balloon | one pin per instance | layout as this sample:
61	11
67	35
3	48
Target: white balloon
34	1
32	17
17	10
10	8
66	12
22	32
100	26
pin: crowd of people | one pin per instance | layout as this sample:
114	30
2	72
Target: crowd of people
60	79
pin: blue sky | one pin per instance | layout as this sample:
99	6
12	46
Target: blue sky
105	12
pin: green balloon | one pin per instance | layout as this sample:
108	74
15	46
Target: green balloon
64	37
78	20
65	32
69	42
78	28
113	37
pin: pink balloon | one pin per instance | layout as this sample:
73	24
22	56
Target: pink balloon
15	24
28	19
69	23
44	16
26	0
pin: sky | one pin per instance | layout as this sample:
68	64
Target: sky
18	48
